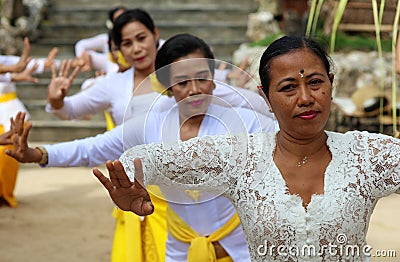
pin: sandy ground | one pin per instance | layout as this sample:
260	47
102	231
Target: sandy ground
64	214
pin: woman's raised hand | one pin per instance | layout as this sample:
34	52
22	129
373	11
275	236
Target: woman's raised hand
24	58
61	83
22	152
51	56
127	195
26	75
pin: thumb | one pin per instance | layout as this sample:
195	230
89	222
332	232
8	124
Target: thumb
147	206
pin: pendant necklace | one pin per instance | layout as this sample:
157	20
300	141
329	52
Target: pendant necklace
302	162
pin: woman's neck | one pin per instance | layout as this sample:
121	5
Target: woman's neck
301	147
142	80
190	127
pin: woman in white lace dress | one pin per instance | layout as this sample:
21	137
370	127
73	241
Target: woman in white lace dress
302	193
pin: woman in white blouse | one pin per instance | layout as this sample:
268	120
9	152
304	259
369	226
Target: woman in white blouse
302	193
185	63
15	69
93	51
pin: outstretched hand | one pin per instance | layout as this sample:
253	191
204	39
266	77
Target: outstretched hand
60	84
26	75
127	195
51	56
21	151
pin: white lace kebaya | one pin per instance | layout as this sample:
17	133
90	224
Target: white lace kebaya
364	168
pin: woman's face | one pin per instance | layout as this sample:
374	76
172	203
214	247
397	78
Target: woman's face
300	93
192	83
138	46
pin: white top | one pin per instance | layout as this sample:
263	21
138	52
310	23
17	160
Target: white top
204	216
12	107
114	91
101	61
209	212
364	168
97	43
12	60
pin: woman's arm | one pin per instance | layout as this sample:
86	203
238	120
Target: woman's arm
89	151
383	160
98	42
210	162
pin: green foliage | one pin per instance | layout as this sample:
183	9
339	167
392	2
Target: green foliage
267	40
346	43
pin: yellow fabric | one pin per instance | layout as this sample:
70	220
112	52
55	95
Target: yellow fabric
120	60
201	248
158	87
109	122
141	241
8	174
7	97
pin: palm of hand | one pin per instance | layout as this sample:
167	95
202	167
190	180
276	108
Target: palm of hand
59	87
130	198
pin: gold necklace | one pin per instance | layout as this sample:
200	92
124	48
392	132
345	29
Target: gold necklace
302	162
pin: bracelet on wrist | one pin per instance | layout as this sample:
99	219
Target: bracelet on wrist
45	156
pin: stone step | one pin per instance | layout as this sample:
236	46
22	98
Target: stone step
60	131
26	91
149	4
36	109
179	13
75	31
221	23
223	49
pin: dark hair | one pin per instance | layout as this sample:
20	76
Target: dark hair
113	11
110	39
128	16
286	45
176	47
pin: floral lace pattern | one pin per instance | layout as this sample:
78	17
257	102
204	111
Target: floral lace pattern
364	168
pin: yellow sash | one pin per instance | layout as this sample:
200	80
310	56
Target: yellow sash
7	97
8	174
109	122
201	248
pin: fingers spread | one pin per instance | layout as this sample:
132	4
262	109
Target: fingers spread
112	173
103	179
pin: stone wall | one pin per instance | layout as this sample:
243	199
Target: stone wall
353	70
